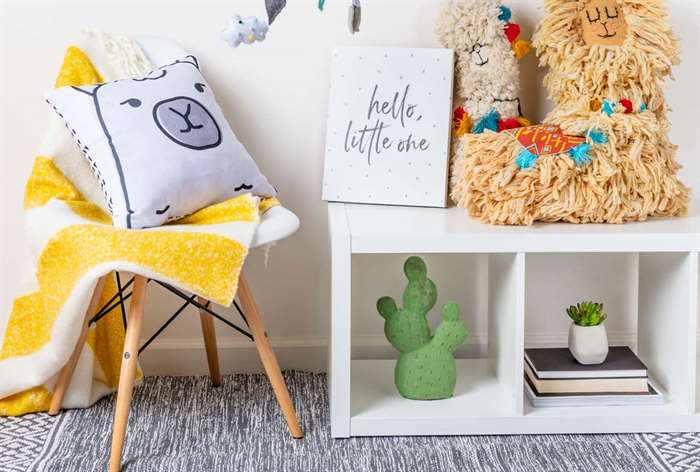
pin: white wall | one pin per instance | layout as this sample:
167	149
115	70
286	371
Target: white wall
275	94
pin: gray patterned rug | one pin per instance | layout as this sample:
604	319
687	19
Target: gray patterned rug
184	424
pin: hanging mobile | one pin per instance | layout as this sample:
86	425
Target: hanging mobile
355	16
274	8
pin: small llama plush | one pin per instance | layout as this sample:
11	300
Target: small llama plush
487	50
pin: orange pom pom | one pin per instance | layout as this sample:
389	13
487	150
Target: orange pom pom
521	48
462	122
524	121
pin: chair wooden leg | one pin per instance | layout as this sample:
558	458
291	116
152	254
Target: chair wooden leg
127	374
66	374
267	356
209	334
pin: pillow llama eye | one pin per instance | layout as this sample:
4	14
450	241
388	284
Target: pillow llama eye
160	145
603	23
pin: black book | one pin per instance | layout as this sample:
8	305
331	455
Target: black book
558	363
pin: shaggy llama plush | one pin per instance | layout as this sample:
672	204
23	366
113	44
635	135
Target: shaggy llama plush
604	155
487	50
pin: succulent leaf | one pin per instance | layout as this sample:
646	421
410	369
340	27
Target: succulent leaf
587	314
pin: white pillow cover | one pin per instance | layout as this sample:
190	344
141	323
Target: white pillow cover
159	145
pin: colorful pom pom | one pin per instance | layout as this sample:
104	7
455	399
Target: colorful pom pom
581	154
521	48
512	31
524	121
597	137
526	159
643	107
508	123
608	108
629	106
462	122
488	121
506	14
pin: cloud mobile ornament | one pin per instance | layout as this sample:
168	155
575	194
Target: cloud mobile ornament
244	30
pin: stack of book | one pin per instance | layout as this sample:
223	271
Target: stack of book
554	378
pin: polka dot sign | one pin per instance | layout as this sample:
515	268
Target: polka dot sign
388	128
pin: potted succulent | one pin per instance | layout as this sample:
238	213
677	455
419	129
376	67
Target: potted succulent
588	340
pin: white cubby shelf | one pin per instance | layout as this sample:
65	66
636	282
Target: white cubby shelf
661	258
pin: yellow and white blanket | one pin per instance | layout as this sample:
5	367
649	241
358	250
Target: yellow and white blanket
73	244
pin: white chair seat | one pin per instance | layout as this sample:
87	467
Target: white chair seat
278	222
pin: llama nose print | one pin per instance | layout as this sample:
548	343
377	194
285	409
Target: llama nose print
187	122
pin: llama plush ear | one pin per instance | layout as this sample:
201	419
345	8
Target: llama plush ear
512	31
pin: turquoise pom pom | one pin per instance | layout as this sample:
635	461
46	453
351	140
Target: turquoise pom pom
526	159
489	121
581	154
643	107
609	107
597	137
506	14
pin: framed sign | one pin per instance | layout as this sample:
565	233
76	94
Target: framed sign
388	129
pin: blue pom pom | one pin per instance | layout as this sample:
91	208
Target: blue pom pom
597	137
581	154
643	107
506	14
609	107
489	121
526	159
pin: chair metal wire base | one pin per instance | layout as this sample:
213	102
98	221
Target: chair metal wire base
121	296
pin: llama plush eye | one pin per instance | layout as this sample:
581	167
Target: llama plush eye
132	102
199	87
613	15
593	20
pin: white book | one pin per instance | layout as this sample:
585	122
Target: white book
653	397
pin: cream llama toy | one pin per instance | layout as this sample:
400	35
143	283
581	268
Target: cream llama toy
603	154
487	50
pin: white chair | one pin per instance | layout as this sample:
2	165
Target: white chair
276	224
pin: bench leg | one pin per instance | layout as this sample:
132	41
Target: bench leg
66	374
127	374
267	356
209	334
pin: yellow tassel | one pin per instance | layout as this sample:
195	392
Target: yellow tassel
464	126
524	121
521	48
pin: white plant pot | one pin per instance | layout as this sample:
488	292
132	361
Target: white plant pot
588	344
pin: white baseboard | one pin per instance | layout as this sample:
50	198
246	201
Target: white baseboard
186	356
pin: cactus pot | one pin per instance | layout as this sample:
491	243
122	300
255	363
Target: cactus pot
588	344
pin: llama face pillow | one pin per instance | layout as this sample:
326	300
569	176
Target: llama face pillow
159	145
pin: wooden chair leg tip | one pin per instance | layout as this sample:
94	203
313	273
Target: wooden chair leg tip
53	412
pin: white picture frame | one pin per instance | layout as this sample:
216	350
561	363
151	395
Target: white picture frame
389	125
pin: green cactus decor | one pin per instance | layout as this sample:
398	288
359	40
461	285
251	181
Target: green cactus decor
426	368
